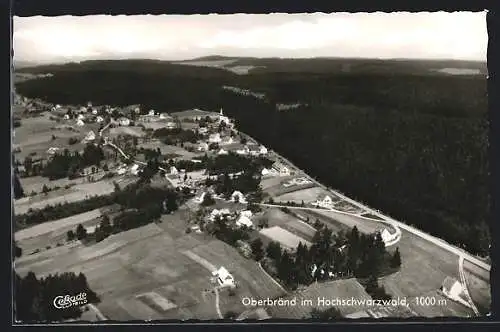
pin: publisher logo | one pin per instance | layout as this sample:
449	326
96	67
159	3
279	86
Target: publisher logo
67	301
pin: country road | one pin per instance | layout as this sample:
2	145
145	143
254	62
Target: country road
463	281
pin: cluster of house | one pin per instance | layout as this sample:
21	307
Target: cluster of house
278	169
154	116
243	218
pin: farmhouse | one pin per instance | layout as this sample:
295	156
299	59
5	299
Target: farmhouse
94	111
453	289
80	117
246	213
223	277
325	203
80	123
173	170
201	198
99	119
266	172
238	197
66	117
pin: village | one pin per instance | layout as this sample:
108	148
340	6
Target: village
242	200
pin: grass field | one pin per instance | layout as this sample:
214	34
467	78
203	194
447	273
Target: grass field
36	183
342	289
423	270
76	193
55	228
478	282
283	236
275	182
128	131
168	149
126	266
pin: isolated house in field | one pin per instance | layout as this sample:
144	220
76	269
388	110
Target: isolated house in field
263	150
151	113
80	117
237	196
452	288
214	138
137	110
89	104
90	136
223	277
80	123
99	119
66	117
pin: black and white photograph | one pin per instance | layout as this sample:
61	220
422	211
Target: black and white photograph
250	167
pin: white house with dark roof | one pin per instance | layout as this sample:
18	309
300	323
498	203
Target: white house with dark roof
223	277
80	123
214	138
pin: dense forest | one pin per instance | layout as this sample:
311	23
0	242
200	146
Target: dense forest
412	144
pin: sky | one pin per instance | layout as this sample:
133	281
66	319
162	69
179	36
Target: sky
438	35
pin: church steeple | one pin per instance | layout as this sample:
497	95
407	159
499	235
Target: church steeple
221	111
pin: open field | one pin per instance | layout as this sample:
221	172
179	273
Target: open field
168	149
307	195
286	238
301	229
57	225
36	183
343	289
363	225
423	270
126	266
334	225
275	181
344	206
478	282
76	193
130	131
